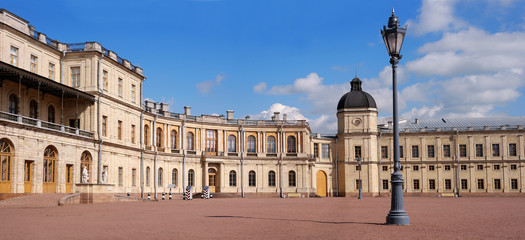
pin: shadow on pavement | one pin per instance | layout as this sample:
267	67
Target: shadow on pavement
296	220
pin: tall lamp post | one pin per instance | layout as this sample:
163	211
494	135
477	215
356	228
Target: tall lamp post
393	37
359	166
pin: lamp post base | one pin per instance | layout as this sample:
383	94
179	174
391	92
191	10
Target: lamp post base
397	218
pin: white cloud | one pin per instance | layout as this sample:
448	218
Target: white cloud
340	68
435	16
206	86
260	87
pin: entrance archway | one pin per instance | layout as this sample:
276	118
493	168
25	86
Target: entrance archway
50	161
6	154
321	184
212	180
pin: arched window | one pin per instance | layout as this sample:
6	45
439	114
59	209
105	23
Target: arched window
147	176
190	177
231	143
146	135
189	139
159	182
51	114
291	179
270	144
173	139
6	154
49	173
174	174
251	144
233	178
291	144
159	137
85	161
251	179
13	104
271	179
33	109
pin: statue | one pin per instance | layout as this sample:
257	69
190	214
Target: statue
85	174
105	175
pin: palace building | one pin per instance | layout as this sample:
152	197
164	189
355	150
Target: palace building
73	120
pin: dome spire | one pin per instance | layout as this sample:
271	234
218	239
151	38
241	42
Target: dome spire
355	84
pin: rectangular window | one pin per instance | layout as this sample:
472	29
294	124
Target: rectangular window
446	151
357	168
464	184
120	87
430	151
513	167
132	93
496	166
119	129
431	168
51	71
75	77
358	184
385	184
512	149
132	133
415	168
495	150
120	177
497	184
431	184
479	150
104	126
416	184
316	150
514	184
357	151
463	150
326	150
448	184
385	168
33	64
481	184
447	167
479	167
105	80
384	151
211	141
14	56
415	151
401	154
133	177
463	167
271	179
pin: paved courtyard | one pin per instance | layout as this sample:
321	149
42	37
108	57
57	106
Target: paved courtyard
264	218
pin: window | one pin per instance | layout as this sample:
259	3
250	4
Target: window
104	126
251	179
132	93
384	151
189	141
316	150
447	167
479	150
211	141
513	167
174	174
105	80
497	184
74	123
431	168
401	155
190	177
430	151
512	149
51	71
233	178
132	133
120	87
51	114
13	104
119	129
270	144
160	177
463	150
385	184
326	150
464	184
415	168
133	177
291	144
358	184
251	144
291	179
415	151
173	139
479	167
231	143
416	184
463	167
358	168
431	184
514	184
481	184
33	109
496	166
50	158
33	64
357	151
14	56
448	184
146	135
159	137
75	77
495	150
147	176
120	177
271	179
446	151
385	168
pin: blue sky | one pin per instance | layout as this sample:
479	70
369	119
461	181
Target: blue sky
461	58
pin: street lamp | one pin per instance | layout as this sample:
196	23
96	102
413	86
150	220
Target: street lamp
359	166
393	37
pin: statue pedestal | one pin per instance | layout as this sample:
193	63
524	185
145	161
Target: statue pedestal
93	193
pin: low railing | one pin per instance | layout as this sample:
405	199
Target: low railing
76	47
44	125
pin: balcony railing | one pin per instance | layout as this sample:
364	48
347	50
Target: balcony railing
43	124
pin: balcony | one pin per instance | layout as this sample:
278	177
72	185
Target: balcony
27	121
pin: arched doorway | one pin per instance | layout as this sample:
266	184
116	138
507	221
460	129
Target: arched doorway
321	184
6	154
50	161
212	179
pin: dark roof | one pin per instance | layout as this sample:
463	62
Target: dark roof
356	98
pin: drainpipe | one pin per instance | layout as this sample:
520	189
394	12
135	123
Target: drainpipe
156	153
281	165
99	126
184	154
242	160
337	166
61	68
457	158
142	151
379	167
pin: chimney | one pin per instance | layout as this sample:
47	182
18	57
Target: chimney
276	116
229	114
417	121
187	110
284	117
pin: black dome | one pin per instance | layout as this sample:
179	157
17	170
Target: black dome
356	98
